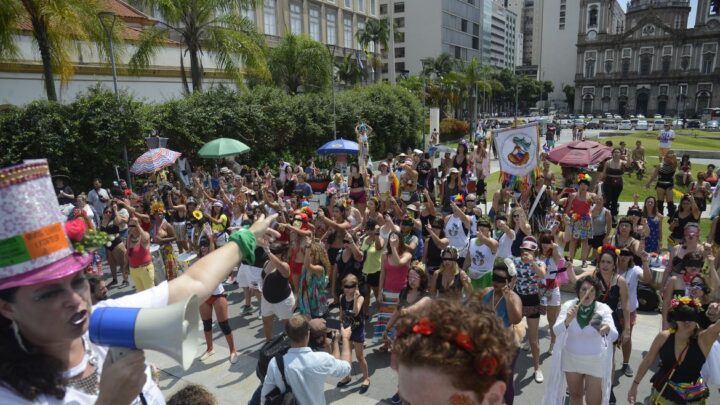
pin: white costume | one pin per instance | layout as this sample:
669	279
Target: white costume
557	383
182	170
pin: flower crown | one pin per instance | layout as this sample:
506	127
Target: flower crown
457	198
679	302
608	248
486	365
157	207
84	239
584	177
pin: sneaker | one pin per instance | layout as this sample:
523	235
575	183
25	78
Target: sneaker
112	283
125	283
246	309
395	399
234	357
207	355
627	370
538	375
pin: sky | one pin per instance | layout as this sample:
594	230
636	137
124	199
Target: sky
691	18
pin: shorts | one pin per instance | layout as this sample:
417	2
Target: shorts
143	277
665	185
663	151
591	365
582	229
482	282
384	196
358	334
282	310
211	299
531	306
597	241
551	297
180	231
243	278
373	279
358	197
295	268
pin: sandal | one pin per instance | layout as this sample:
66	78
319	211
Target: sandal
364	388
345	381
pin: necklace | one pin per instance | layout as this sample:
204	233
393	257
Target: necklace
496	304
89	384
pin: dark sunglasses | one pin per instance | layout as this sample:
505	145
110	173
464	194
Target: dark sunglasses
347	241
349	286
499	279
407	223
448	259
469	200
516	216
697	286
132	226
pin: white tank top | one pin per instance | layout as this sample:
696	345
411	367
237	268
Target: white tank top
482	259
455	233
384	183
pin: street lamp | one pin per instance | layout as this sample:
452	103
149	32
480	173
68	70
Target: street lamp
107	20
331	50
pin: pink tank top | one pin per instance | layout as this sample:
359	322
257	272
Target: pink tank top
138	255
395	276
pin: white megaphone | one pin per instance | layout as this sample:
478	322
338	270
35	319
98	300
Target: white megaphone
172	330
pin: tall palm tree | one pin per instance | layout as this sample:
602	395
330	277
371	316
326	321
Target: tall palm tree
300	61
60	28
439	66
213	26
377	33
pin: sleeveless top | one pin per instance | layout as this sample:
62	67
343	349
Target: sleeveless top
515	248
455	287
666	174
482	260
434	258
677	233
580	207
614	172
351	266
501	309
688	371
139	255
357	182
350	318
599	222
395	276
457	234
611	297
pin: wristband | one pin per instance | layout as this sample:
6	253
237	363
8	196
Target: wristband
245	240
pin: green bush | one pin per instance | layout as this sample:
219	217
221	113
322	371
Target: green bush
452	129
84	139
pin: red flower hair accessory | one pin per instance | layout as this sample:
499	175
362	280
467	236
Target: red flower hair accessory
424	327
75	229
463	341
608	248
486	365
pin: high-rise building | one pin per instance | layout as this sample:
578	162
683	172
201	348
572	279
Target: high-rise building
503	36
428	28
650	62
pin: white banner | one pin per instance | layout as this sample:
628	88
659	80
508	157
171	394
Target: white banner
518	149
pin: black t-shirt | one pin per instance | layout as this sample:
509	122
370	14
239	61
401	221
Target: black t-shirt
276	288
423	168
64	200
352	266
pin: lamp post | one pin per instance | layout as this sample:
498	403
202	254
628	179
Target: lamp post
331	50
108	26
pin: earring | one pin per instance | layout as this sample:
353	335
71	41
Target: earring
18	337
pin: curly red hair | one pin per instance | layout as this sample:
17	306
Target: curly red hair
473	365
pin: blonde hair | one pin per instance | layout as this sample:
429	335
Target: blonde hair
350	279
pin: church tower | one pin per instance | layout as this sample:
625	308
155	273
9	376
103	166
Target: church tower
707	14
672	13
600	17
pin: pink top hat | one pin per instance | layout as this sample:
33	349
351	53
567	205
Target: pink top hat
34	247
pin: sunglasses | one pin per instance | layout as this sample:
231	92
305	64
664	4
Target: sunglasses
448	259
697	286
347	241
499	279
516	216
469	200
349	286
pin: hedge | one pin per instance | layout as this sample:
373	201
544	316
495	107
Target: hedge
84	139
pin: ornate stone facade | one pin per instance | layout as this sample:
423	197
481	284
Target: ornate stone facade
650	62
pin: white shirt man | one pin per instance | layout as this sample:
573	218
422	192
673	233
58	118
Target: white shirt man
305	370
98	197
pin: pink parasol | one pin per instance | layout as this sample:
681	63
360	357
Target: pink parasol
579	154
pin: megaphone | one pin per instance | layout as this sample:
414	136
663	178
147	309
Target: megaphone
172	330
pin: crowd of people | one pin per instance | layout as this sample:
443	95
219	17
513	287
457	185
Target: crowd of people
414	258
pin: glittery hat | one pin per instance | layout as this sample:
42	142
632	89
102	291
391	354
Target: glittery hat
34	246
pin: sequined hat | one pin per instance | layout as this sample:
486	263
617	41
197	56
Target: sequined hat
34	246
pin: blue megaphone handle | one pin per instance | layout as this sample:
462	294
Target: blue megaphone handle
111	326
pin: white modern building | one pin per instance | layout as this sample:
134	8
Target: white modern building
503	37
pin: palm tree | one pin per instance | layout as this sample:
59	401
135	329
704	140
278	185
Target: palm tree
349	72
213	26
57	28
300	61
376	32
438	67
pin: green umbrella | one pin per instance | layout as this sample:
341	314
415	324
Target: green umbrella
223	147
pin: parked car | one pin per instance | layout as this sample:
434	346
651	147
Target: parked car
712	124
694	124
593	124
625	125
565	123
642	125
677	123
617	117
640	117
610	124
659	124
581	117
657	116
579	122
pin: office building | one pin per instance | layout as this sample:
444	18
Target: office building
503	36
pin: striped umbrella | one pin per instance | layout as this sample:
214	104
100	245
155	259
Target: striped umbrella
154	160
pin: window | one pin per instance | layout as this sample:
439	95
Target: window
248	11
645	64
314	20
608	66
385	68
476	29
606	92
399	8
625	68
295	18
648	30
330	20
361	6
458	52
667	50
463	25
373	6
608	54
399	67
685	63
682	89
678	21
623	91
400	22
687	50
383	9
708	61
399	36
400	52
348	3
666	60
590	65
269	17
663	90
348	31
626	52
593	17
476	43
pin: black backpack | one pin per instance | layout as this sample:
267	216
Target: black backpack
279	345
277	397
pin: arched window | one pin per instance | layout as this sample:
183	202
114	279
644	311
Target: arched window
590	68
593	18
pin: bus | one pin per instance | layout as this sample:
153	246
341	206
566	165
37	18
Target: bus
710	114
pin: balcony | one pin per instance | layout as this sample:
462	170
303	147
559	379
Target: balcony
639	5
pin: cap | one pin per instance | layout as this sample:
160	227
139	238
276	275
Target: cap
529	243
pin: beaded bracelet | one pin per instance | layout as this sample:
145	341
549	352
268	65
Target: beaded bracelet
245	240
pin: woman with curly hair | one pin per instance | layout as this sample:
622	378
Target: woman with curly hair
683	350
465	351
582	362
312	294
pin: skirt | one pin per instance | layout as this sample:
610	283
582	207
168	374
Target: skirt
591	365
385	312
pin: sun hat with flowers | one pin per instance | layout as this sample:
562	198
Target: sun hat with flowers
36	246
